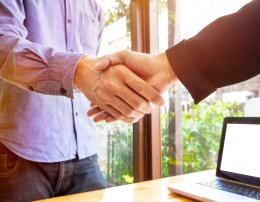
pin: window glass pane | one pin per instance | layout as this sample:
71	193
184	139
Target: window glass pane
115	140
191	133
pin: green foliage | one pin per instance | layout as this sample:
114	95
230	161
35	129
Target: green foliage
165	143
201	130
116	12
162	4
119	168
201	134
120	8
128	179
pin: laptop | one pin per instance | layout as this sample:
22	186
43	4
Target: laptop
237	175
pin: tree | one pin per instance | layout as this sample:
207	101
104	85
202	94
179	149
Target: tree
118	11
201	135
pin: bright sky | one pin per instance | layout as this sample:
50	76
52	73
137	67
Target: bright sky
195	14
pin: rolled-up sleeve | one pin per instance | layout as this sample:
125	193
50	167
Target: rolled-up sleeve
30	65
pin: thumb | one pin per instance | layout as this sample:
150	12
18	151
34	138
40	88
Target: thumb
102	64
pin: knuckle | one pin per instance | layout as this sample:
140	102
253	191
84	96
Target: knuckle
140	115
124	51
118	70
148	109
101	84
110	86
134	114
121	117
133	120
130	113
143	106
140	86
138	105
101	96
155	98
130	120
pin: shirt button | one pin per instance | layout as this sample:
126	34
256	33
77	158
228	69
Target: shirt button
71	50
63	91
69	20
30	88
77	113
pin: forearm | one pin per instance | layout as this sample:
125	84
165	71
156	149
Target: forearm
223	53
31	66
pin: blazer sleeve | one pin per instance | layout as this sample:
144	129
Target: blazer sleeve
225	52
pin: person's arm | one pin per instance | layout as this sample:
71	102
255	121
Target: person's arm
29	65
225	52
42	69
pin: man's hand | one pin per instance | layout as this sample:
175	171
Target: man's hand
155	69
117	90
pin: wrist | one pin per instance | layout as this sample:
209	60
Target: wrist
167	67
78	72
84	70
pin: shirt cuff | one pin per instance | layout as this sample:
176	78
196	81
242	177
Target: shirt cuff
188	72
63	68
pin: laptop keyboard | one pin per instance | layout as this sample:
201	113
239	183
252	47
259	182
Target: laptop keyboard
232	187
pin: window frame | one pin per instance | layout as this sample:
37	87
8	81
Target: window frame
147	132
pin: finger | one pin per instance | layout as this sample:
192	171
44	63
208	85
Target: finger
102	64
92	104
108	118
118	87
102	117
121	105
144	89
94	111
135	101
125	109
117	114
111	119
117	58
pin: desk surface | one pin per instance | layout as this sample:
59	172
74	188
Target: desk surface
152	191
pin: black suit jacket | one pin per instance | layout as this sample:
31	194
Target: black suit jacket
225	52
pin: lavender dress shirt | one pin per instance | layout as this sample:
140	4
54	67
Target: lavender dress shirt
42	118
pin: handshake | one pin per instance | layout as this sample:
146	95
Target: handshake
124	85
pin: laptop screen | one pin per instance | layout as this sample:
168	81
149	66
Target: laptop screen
240	150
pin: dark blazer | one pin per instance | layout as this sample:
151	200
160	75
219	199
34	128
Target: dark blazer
225	52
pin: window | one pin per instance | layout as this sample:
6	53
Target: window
191	133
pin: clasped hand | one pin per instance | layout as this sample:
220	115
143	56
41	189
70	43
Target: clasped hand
124	85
